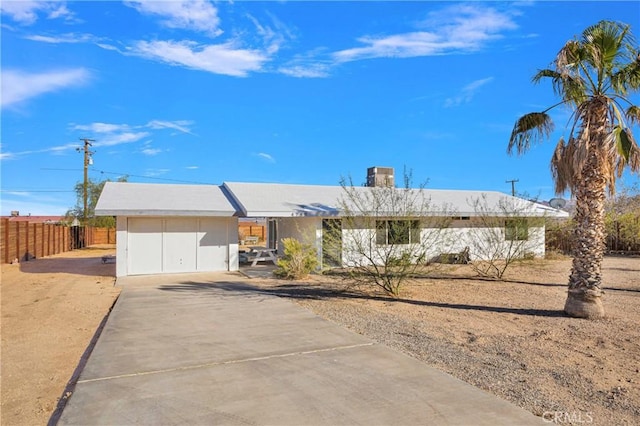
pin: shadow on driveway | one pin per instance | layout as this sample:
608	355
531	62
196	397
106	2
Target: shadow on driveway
302	291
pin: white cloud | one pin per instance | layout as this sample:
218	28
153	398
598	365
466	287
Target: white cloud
192	167
63	38
117	139
196	15
20	86
467	93
180	125
151	151
306	70
110	135
218	59
102	127
108	47
7	155
53	150
26	12
266	156
60	148
458	28
271	38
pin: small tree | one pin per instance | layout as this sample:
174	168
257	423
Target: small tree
500	237
94	189
299	260
387	233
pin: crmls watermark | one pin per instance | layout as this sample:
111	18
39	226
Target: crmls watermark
568	417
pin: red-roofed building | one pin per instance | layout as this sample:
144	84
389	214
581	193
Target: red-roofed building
15	217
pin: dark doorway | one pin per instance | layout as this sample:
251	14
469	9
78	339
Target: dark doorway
331	243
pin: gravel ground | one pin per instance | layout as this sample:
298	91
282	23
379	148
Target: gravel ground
507	337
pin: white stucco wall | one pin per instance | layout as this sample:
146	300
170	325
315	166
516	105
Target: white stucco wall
121	246
307	230
454	239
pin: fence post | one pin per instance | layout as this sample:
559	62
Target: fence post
35	242
5	226
48	227
42	240
26	249
18	256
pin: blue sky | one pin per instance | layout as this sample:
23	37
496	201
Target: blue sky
287	92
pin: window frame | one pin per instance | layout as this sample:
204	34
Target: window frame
391	232
516	229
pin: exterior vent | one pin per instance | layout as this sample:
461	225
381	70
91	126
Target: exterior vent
380	176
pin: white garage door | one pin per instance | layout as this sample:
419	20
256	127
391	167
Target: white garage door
176	245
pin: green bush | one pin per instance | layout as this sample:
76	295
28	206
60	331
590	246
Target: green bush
298	260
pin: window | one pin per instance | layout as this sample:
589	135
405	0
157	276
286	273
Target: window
516	230
392	232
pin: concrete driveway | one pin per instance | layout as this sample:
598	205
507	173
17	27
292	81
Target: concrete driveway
208	349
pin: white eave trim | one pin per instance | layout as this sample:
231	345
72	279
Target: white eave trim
189	213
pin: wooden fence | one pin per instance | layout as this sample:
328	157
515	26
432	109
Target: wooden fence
251	229
25	241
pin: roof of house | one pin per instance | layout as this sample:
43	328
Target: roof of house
148	199
283	200
286	200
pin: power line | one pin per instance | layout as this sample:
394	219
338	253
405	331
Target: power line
132	175
152	177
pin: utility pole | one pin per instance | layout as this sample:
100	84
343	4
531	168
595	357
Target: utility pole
87	161
513	186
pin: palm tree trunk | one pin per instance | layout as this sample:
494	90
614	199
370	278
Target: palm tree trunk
584	298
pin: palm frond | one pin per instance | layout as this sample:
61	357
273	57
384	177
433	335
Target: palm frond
561	169
627	150
627	77
530	128
570	87
622	142
569	56
604	40
632	72
546	73
633	114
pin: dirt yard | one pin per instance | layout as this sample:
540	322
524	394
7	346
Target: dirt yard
508	337
51	308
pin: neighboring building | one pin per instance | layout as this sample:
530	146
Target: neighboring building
15	217
189	228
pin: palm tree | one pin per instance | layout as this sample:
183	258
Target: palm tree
593	76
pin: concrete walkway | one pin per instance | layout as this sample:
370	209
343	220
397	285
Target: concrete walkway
208	349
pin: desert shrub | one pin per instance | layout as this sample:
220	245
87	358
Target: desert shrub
299	260
390	233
